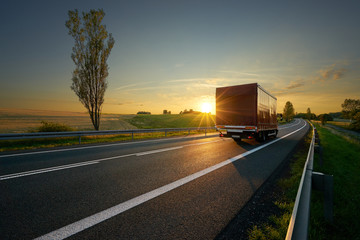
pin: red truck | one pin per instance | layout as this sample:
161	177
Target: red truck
246	111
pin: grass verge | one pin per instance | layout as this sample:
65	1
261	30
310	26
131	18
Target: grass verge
172	121
67	141
276	226
341	158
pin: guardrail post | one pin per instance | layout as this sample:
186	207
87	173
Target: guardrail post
165	133
205	131
325	183
329	198
132	135
319	150
79	139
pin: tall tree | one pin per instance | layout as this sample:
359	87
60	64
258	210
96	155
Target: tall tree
350	108
324	118
90	53
289	111
308	114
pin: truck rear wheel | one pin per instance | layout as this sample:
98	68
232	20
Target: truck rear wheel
261	136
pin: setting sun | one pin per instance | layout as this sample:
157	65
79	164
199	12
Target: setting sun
206	107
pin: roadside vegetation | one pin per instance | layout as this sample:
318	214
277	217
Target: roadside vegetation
348	118
341	158
276	226
144	121
343	124
139	121
54	127
68	141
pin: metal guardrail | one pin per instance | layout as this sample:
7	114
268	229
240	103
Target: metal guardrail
299	222
22	136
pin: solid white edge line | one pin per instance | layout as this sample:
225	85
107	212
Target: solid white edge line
97	218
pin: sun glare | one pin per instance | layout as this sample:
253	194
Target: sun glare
206	107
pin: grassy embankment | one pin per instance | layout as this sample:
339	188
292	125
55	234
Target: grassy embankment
131	121
344	124
276	226
341	158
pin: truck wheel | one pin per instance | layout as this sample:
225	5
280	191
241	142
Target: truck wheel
263	136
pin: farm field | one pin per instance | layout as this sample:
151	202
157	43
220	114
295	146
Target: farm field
23	120
173	121
343	124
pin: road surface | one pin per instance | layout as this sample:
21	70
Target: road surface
176	188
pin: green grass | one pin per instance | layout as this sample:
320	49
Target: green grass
345	125
20	121
341	159
277	226
172	121
54	127
138	121
68	141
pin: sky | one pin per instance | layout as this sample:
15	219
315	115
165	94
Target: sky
173	54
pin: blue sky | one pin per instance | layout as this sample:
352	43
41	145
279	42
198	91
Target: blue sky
173	54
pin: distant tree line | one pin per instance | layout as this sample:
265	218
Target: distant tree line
189	111
166	112
143	112
350	110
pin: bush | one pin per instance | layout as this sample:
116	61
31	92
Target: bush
356	124
54	127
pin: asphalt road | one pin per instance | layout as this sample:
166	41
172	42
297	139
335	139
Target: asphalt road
178	188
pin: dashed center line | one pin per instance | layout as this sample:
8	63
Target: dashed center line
82	164
99	217
46	170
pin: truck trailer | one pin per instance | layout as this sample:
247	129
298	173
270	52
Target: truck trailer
245	112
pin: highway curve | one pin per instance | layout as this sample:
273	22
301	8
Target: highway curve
178	188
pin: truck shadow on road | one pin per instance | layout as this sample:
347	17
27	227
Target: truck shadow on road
256	168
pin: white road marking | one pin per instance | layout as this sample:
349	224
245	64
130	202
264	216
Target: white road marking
202	143
63	167
297	122
105	145
158	151
97	218
45	170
